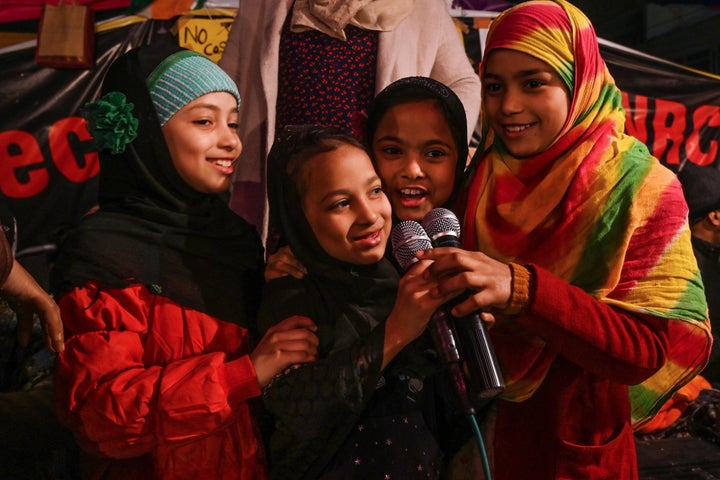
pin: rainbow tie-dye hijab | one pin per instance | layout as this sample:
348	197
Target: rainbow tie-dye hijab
595	208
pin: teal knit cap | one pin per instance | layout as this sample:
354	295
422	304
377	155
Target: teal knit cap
181	78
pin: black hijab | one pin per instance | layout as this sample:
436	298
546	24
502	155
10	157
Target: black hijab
318	405
416	89
346	301
154	229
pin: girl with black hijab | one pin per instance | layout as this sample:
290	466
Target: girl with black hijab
416	132
370	406
158	289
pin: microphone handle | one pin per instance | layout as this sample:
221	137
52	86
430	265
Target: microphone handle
476	350
444	340
485	377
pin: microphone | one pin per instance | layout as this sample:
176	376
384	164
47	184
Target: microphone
408	237
486	380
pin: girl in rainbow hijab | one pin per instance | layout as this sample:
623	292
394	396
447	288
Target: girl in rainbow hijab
577	240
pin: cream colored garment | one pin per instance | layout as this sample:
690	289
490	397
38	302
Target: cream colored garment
426	43
332	16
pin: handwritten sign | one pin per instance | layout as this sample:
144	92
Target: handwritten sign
205	35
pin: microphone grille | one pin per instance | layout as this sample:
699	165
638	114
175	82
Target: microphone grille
408	237
441	221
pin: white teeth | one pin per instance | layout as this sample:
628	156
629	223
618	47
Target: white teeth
223	163
412	191
517	128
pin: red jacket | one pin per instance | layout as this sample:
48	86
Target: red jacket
577	424
155	390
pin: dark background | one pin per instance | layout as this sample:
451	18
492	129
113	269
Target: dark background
685	32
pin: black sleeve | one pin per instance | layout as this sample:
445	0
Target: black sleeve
314	406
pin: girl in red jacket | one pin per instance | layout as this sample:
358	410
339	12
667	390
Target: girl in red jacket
577	239
159	288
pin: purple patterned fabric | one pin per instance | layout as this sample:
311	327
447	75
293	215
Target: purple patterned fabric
325	80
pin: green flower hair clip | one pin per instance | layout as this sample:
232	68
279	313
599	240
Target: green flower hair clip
111	122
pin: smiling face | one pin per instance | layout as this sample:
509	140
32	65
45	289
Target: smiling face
203	141
345	205
416	157
525	100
